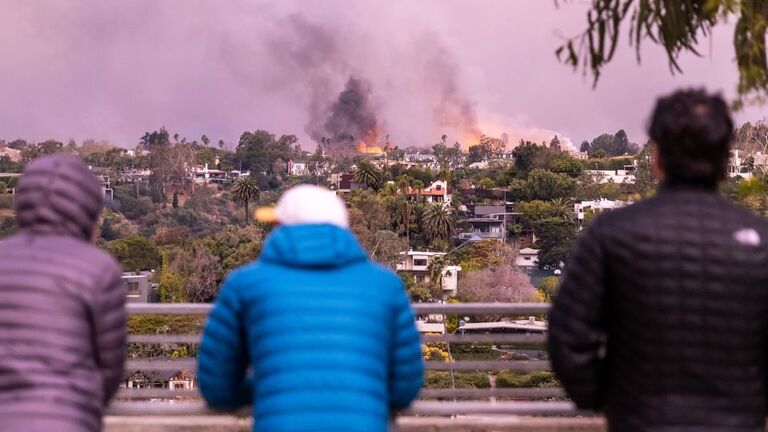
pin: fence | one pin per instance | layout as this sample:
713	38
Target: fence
517	401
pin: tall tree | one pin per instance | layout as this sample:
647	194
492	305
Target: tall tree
584	148
555	144
246	191
367	174
438	221
555	237
562	208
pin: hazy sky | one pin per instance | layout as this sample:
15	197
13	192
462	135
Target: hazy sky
115	69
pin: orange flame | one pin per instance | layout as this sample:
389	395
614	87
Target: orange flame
369	143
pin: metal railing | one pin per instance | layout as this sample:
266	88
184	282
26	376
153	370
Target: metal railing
515	401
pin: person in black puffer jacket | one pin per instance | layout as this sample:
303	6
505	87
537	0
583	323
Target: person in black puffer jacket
661	321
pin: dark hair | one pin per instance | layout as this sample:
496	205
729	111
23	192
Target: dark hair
693	132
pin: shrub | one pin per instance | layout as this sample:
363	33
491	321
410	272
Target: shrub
512	379
6	201
442	379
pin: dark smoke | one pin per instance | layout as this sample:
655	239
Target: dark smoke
311	55
351	118
316	59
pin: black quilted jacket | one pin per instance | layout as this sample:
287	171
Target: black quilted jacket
661	319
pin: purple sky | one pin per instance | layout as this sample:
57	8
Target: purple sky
115	69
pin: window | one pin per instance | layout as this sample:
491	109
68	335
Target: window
420	262
438	187
527	258
133	287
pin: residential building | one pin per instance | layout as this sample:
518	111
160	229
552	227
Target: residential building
344	182
138	287
526	326
482	228
134	175
618	176
583	208
201	174
236	173
417	263
527	258
438	191
739	164
106	188
13	154
579	155
298	168
181	380
429	325
420	158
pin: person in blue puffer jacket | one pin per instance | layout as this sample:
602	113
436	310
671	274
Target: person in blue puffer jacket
313	335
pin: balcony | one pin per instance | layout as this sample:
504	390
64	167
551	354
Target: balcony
445	409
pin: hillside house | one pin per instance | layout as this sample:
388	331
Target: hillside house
417	264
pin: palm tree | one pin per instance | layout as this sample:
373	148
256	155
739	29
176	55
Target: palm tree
404	183
367	174
438	221
561	208
418	185
435	268
403	213
246	191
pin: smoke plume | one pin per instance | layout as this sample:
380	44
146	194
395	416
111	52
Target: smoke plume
454	110
351	118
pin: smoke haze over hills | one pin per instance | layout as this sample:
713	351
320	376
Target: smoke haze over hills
113	70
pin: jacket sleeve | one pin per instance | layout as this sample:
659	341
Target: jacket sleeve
222	359
577	334
406	367
109	322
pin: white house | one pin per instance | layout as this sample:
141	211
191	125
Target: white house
298	168
417	264
430	326
528	326
579	155
13	154
738	165
597	206
438	191
138	287
106	188
527	258
621	176
202	174
181	380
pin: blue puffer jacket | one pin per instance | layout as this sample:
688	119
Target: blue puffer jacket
314	335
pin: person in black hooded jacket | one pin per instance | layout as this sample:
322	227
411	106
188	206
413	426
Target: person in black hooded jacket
661	321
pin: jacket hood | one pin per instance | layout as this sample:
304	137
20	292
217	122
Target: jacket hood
320	245
59	195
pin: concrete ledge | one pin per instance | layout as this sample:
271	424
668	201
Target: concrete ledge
404	424
205	423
